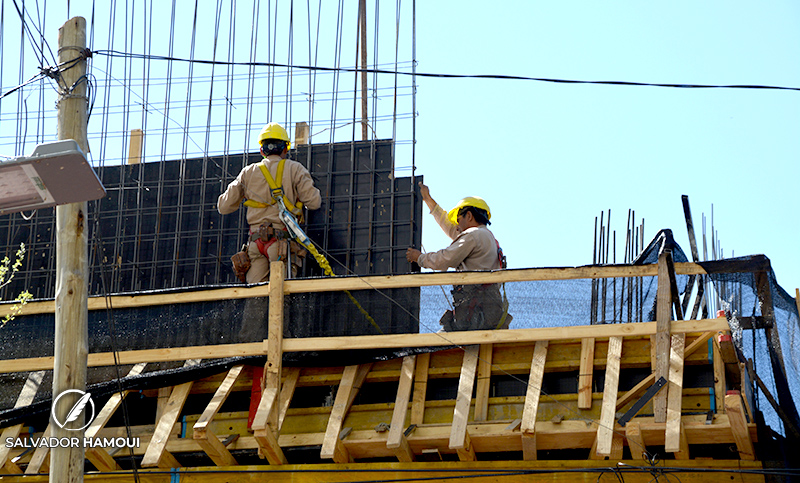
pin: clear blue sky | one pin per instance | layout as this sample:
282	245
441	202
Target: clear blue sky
547	157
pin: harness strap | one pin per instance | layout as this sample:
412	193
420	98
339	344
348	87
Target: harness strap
276	190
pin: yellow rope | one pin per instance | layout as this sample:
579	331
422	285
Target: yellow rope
326	267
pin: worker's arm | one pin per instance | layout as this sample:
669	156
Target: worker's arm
438	212
229	201
450	257
305	189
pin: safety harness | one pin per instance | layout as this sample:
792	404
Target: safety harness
276	190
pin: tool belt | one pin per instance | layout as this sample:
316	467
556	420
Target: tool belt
476	307
266	235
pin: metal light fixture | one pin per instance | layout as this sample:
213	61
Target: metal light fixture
56	173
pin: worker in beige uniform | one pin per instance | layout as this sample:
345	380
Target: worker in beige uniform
474	247
260	185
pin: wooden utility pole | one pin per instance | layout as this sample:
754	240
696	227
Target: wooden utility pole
72	268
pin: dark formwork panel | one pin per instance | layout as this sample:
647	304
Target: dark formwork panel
158	227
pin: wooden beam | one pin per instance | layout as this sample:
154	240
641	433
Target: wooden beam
397	440
673	439
585	374
724	343
373	342
25	398
617	445
738	421
605	430
274	365
636	444
663	318
41	456
483	384
156	453
459	439
697	344
420	388
531	407
170	354
201	433
99	457
301	132
265	437
336	284
287	392
135	147
720	383
332	446
497	336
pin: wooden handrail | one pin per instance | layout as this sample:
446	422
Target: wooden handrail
335	284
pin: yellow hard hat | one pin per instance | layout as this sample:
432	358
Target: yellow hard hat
473	201
274	130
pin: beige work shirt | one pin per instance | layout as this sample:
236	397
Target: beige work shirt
473	249
252	185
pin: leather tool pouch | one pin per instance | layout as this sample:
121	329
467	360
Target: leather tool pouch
241	264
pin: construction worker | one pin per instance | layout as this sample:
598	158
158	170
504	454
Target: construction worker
474	248
260	185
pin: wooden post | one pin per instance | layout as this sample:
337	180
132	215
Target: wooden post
274	365
662	342
72	267
135	147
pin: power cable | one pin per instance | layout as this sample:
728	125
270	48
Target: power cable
114	53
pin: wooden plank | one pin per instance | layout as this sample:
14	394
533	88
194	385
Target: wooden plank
135	147
531	406
287	392
720	384
738	422
335	284
207	440
459	439
675	384
274	365
373	342
617	445
39	462
332	446
483	384
222	393
267	440
25	398
663	318
636	444
605	430
585	373
397	440
301	131
697	344
156	453
515	336
99	457
420	388
724	343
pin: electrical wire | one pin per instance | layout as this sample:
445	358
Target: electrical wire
114	53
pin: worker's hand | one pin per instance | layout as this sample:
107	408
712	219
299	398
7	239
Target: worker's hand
424	191
412	255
